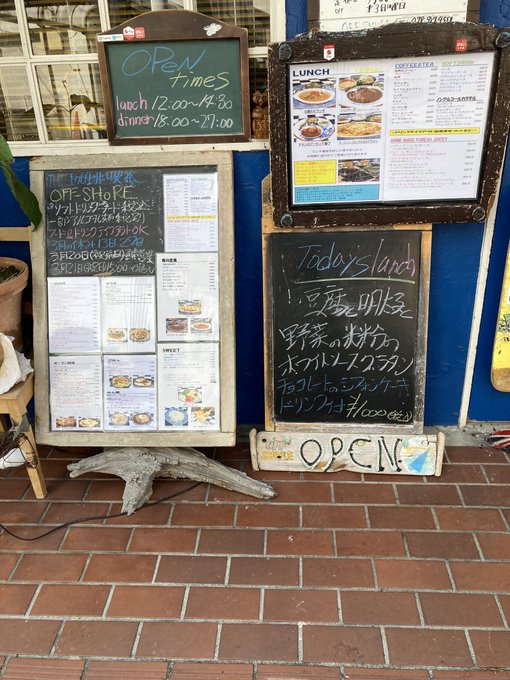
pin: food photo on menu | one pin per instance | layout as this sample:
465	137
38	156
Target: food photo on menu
361	91
361	170
313	93
72	422
313	128
197	415
359	126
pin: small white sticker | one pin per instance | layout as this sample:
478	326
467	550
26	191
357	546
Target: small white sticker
329	52
110	38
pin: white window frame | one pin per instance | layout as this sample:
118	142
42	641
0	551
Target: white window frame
60	147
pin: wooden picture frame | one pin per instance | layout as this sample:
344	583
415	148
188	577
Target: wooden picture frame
178	162
179	28
391	41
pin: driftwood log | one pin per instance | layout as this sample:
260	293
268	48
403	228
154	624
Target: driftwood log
139	466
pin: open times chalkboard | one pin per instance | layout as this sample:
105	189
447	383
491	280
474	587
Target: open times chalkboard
346	313
133	302
175	76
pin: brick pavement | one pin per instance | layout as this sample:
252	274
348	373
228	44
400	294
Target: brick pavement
340	577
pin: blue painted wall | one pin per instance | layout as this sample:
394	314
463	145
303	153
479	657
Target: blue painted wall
487	403
454	268
250	168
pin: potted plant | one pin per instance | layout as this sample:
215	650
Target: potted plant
14	273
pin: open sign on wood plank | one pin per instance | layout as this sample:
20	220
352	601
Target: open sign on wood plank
331	452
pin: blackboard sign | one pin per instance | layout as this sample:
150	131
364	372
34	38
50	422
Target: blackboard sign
133	299
103	221
345	327
175	76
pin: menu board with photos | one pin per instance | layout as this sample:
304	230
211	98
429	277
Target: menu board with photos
135	290
401	124
408	129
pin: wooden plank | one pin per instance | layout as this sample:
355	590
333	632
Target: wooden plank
173	159
15	233
407	454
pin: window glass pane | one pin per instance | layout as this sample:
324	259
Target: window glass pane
258	94
10	43
250	14
72	101
122	11
62	27
17	120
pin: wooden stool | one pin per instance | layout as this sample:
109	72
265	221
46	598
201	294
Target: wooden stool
14	403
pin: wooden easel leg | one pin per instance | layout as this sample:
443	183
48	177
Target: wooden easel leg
34	468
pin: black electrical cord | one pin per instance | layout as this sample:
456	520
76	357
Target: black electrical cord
88	519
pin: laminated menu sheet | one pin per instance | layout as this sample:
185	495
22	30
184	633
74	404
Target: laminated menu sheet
389	130
188	387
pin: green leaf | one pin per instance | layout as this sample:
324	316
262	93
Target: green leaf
26	199
8	174
5	152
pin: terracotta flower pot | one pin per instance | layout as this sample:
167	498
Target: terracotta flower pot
10	300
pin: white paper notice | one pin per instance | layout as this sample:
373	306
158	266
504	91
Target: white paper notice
76	400
349	15
436	127
409	129
187	307
130	392
74	315
188	386
191	212
128	316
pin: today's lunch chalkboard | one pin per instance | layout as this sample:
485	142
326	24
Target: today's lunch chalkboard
345	327
175	76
